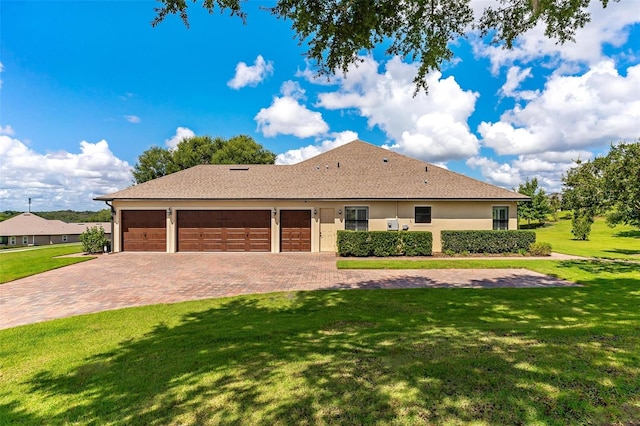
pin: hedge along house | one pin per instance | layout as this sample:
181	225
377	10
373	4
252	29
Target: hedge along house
300	207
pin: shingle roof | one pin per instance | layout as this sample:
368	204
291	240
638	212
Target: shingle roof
356	170
32	224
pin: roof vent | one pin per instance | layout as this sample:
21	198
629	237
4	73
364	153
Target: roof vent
385	160
239	168
425	181
426	168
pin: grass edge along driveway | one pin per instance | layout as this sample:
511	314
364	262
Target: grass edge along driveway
23	263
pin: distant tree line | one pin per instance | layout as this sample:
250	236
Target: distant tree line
69	216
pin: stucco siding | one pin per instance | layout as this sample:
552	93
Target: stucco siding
445	215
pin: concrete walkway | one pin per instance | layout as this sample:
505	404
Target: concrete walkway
134	279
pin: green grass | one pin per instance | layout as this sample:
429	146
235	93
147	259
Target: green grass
397	357
621	242
20	264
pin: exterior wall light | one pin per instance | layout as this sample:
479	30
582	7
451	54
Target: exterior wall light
339	211
169	212
315	211
275	211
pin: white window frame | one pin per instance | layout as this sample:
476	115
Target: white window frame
12	241
65	239
25	240
357	221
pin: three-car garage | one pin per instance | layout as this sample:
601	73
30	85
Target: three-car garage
216	230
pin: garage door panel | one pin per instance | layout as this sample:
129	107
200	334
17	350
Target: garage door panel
295	230
144	230
224	230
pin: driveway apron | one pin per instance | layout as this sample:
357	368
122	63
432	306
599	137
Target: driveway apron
134	279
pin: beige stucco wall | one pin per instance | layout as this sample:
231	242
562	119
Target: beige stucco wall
445	215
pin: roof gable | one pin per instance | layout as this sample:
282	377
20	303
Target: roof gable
356	170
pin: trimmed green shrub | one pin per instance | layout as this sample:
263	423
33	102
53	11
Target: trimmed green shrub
581	225
491	242
94	240
383	243
540	249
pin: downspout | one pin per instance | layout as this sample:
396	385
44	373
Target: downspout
113	212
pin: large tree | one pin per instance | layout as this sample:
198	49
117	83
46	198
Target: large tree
622	184
538	207
608	183
156	162
338	31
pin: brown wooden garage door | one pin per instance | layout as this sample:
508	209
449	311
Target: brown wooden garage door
295	230
224	230
144	230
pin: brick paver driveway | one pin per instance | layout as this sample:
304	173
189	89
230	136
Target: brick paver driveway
134	279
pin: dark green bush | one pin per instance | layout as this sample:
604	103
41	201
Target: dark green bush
540	249
491	242
581	225
383	243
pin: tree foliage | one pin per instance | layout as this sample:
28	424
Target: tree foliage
538	207
622	184
555	204
151	164
338	31
608	183
156	162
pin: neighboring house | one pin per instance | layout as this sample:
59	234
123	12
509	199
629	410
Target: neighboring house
299	207
31	229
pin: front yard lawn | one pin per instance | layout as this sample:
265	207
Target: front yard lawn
23	263
390	357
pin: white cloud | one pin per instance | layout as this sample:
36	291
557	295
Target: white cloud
181	133
430	126
59	180
498	174
6	130
247	75
286	116
297	155
547	167
313	77
609	26
132	118
515	77
572	112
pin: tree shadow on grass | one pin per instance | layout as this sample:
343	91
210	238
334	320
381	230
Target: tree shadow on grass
634	233
601	266
417	356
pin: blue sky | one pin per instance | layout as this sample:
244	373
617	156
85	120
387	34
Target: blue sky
87	86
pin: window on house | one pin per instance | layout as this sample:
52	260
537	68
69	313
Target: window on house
356	218
501	218
64	238
25	240
423	215
12	241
